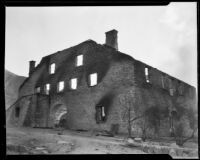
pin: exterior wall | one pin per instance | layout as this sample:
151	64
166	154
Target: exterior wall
153	94
121	84
24	104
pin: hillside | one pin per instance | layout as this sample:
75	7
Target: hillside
12	83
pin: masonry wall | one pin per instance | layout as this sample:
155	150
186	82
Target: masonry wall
157	93
121	84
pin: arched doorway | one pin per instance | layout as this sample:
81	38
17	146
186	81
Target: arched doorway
59	113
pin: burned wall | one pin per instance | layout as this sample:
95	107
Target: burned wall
163	91
118	76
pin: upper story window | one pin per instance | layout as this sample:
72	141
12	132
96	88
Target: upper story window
38	90
147	75
52	68
180	89
73	83
47	88
93	79
163	81
79	60
61	86
170	83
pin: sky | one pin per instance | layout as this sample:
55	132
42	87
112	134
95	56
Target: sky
164	37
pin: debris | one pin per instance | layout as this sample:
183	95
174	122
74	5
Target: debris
157	150
193	154
190	145
130	140
62	142
138	140
151	150
105	134
132	143
179	152
185	155
81	130
174	145
60	133
165	150
172	152
45	152
145	149
40	148
17	148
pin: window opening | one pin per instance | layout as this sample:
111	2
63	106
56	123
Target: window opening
52	68
61	86
79	60
74	83
93	79
147	75
47	88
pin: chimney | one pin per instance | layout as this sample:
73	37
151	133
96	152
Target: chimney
111	39
31	67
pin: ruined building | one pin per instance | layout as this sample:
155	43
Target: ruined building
93	87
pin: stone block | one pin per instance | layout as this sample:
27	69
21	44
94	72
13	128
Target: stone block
165	150
193	154
157	150
139	140
172	152
179	152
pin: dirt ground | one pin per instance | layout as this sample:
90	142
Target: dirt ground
47	141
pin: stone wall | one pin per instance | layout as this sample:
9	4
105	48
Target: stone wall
121	84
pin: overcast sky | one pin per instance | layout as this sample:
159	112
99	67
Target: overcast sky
164	37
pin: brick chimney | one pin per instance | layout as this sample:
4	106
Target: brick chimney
31	67
111	39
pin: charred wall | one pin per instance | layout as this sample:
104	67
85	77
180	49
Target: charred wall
121	83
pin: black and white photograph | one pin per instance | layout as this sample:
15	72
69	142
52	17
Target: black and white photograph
85	80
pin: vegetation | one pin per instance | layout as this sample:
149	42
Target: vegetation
184	115
183	118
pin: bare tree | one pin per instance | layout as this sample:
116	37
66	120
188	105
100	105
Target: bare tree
129	114
186	114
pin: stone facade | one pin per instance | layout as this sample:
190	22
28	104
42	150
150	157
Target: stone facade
121	84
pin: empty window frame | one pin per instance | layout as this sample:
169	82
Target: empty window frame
171	92
100	114
170	83
52	68
47	88
93	79
147	74
61	86
180	89
17	111
79	60
37	90
163	81
73	83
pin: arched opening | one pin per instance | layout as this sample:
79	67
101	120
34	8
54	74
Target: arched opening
59	114
62	120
